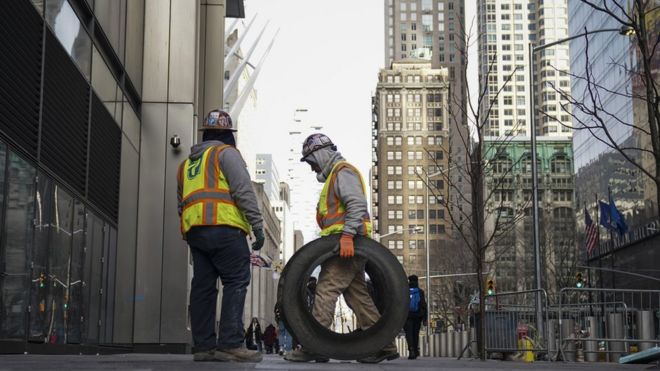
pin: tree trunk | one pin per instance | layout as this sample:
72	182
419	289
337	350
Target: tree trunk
479	244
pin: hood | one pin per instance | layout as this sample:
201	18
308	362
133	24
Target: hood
198	149
326	159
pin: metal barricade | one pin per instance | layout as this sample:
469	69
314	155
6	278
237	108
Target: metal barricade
603	324
511	322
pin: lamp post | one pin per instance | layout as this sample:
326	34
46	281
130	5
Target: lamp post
428	257
626	31
416	229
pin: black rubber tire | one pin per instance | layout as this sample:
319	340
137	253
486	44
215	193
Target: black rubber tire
390	284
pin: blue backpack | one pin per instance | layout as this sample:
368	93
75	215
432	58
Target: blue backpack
415	298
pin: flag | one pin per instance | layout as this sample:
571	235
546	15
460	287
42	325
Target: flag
605	215
590	232
618	223
259	261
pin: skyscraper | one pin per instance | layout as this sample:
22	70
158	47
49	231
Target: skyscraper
506	29
410	141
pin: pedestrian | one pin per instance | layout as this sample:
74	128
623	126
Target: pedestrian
283	335
218	209
342	209
253	336
310	294
270	339
416	316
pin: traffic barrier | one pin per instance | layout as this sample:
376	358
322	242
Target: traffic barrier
391	292
511	318
620	319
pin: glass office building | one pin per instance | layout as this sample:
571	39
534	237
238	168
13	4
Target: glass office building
613	60
90	249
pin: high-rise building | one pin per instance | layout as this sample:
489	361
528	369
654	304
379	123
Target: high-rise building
508	185
305	189
410	141
266	172
433	30
506	30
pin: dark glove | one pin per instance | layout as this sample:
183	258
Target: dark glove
346	248
259	239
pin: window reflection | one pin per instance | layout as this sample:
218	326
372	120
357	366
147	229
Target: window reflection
14	255
104	84
65	24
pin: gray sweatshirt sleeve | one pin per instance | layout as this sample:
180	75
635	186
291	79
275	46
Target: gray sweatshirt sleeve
240	186
349	190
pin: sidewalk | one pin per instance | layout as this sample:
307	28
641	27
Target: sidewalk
272	362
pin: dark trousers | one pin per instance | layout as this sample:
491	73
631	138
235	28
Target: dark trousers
218	252
412	327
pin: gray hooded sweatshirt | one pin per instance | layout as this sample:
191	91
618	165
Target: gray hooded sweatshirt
348	188
240	186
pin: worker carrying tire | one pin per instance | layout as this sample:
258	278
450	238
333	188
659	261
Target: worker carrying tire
342	208
218	209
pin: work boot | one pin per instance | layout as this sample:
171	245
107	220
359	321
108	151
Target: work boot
411	353
238	355
204	356
388	353
299	355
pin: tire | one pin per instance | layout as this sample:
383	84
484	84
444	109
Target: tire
391	292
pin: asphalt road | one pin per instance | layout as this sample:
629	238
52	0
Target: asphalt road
272	362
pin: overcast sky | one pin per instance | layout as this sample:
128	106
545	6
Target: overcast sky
326	59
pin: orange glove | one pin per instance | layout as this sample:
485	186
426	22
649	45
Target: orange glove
346	248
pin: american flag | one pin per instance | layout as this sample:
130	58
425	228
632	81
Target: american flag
590	232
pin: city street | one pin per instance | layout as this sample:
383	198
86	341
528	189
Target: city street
271	362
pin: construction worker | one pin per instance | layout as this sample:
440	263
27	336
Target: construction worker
342	208
218	209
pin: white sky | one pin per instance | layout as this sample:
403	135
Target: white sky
326	59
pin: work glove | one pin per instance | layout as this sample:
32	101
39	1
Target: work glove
346	247
259	239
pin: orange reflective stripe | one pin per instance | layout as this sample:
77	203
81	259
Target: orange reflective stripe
216	201
207	194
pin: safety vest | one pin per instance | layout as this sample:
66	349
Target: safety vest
330	211
205	194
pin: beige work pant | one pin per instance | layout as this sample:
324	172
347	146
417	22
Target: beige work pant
344	276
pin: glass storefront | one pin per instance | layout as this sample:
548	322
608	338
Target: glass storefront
56	260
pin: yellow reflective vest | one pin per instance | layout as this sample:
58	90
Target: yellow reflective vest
331	211
206	200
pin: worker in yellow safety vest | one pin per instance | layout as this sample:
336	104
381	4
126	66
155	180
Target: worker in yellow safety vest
342	208
218	210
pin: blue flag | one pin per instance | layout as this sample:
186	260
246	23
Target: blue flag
618	223
605	215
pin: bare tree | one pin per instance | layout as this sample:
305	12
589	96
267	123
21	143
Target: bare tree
589	108
468	213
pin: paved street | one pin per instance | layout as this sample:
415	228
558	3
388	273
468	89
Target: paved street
184	362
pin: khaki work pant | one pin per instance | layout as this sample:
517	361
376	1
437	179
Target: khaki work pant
344	276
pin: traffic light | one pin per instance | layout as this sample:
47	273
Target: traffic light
490	287
579	281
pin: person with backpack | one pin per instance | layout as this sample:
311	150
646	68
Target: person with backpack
416	316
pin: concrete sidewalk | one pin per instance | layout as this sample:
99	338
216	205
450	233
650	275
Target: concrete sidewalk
273	362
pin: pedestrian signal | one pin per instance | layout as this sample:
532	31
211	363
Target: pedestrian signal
490	287
579	281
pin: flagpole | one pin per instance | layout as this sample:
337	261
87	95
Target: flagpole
600	271
609	200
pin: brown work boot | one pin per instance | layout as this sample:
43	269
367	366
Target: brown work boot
238	355
300	355
388	353
204	356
